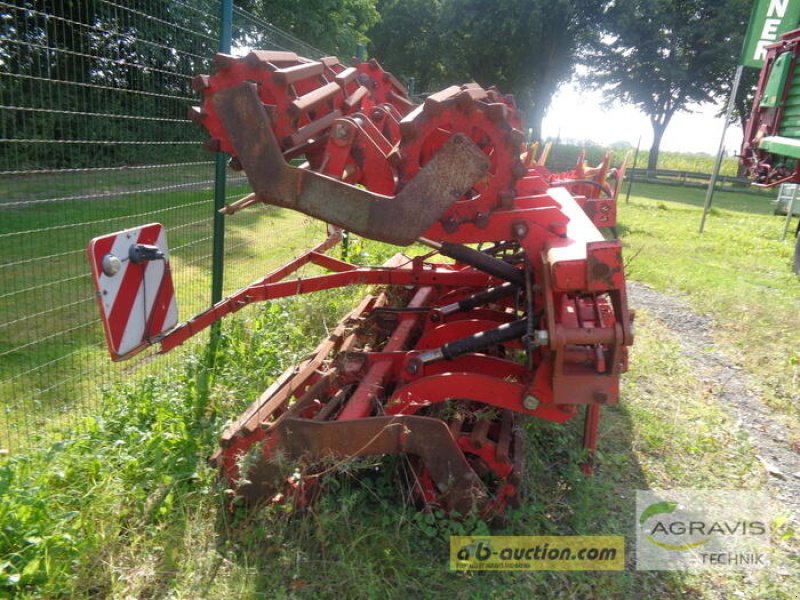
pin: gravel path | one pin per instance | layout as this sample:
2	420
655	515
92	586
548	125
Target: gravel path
768	435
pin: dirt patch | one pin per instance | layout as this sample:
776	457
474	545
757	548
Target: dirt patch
770	438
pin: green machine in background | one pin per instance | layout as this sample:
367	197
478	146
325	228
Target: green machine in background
771	146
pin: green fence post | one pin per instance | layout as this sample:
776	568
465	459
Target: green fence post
218	250
218	254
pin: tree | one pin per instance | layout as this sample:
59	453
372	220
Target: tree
663	55
410	41
336	26
90	70
525	47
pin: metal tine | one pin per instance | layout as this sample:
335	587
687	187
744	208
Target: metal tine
395	83
434	100
503	449
196	114
272	59
201	82
222	60
346	76
313	99
313	129
295	73
395	97
334	403
410	123
330	61
355	98
480	431
457	424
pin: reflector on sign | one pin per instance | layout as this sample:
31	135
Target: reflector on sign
133	282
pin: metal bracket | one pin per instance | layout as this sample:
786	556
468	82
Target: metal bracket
397	220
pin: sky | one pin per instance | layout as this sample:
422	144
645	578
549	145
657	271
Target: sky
580	115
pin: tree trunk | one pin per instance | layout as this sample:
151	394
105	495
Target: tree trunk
533	120
658	133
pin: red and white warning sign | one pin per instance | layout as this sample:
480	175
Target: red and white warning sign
134	288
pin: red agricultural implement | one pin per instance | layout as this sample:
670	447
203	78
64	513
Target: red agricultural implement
519	309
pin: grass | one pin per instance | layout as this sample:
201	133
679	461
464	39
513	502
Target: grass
128	507
131	509
51	348
562	156
738	271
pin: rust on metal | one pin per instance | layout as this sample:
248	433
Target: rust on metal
309	441
435	365
399	220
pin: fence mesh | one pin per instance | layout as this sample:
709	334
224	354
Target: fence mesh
257	237
94	139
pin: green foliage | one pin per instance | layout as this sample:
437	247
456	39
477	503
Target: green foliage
90	84
738	271
132	461
136	467
128	507
334	25
662	55
410	41
524	48
563	157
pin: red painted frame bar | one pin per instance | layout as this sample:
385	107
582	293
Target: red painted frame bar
272	287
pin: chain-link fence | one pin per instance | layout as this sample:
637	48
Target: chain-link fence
94	139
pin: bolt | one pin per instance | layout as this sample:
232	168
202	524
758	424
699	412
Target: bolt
520	230
111	265
450	225
530	402
600	397
341	131
413	365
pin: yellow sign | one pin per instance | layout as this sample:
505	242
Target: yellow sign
537	553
